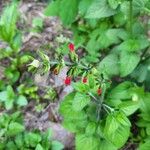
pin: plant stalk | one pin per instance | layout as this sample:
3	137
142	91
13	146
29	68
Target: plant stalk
131	17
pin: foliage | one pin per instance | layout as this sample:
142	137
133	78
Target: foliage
109	105
117	48
14	136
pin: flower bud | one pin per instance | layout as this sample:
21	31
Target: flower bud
99	91
71	47
68	80
84	80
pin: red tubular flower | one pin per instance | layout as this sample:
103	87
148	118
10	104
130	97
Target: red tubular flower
84	80
68	80
71	47
99	91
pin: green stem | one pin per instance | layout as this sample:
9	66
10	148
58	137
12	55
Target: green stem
101	102
94	98
130	17
70	64
108	107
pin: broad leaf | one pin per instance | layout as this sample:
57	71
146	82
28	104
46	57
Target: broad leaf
128	62
57	145
22	101
109	62
68	11
99	9
83	6
119	93
52	9
15	128
145	146
117	129
87	142
129	107
80	101
113	4
73	120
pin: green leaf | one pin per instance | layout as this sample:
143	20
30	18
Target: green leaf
122	119
113	3
83	6
91	128
99	9
73	120
111	125
130	45
57	145
80	101
32	139
14	128
80	87
19	140
3	96
138	5
120	92
120	137
11	145
86	142
52	9
145	146
106	145
68	7
117	129
37	22
22	101
129	107
8	22
109	62
16	42
128	62
39	147
10	92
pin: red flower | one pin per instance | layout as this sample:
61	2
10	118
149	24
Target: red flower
71	47
99	91
84	80
68	80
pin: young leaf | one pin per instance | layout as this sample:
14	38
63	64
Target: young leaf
80	87
57	145
39	147
32	139
14	128
3	96
8	23
22	101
